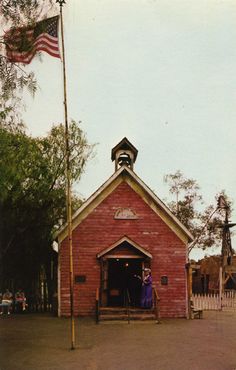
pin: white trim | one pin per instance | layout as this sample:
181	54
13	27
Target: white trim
159	202
122	256
120	241
126	170
90	200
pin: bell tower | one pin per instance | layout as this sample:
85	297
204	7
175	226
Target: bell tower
124	154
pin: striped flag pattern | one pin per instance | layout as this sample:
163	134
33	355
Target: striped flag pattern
23	43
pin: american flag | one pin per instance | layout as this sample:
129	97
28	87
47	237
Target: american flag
23	43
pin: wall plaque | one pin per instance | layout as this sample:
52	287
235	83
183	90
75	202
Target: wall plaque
164	280
80	279
125	213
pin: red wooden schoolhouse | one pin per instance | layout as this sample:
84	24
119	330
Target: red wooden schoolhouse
121	229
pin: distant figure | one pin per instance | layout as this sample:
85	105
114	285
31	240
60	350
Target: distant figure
0	303
146	291
20	301
7	300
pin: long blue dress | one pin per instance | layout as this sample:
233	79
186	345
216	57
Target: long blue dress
146	293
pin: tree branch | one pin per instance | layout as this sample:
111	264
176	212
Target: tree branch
191	246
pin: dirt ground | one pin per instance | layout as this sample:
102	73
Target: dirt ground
33	342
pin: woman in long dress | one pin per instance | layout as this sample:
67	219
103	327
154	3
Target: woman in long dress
146	292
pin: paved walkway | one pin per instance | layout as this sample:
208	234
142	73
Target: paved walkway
33	342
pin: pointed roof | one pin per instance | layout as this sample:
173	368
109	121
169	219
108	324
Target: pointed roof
126	174
124	144
121	241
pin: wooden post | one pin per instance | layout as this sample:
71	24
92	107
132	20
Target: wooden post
189	288
220	287
68	190
97	305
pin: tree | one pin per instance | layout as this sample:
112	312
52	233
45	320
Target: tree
186	192
32	182
13	78
213	217
32	196
204	224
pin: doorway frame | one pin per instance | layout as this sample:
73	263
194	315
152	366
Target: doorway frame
114	251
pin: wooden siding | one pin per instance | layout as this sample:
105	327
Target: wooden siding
99	230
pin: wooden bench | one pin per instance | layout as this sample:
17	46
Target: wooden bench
196	313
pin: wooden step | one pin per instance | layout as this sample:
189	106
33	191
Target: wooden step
113	309
124	310
113	317
125	317
121	313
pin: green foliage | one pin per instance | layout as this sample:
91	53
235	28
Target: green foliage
32	181
19	12
54	147
186	193
187	207
13	78
32	195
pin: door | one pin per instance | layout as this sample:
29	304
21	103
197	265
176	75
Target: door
122	280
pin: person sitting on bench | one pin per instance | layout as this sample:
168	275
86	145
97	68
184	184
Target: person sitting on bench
7	300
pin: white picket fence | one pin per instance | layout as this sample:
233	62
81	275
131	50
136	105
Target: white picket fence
214	302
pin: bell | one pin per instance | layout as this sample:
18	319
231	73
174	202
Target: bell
124	159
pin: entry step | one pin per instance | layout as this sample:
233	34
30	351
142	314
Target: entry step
113	317
121	313
123	309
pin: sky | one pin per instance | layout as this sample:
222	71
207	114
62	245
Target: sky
162	73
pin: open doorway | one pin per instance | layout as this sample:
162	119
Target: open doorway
122	280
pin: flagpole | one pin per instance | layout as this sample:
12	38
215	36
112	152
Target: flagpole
68	178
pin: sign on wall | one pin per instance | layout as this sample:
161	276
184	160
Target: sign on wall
125	213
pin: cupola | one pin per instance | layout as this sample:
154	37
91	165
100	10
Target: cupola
124	154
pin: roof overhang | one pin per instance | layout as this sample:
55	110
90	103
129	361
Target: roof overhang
124	144
126	174
121	241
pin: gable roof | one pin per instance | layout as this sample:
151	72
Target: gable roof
124	144
126	174
121	241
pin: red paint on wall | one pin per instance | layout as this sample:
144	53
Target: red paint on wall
100	230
